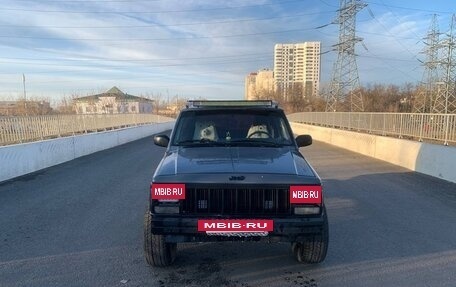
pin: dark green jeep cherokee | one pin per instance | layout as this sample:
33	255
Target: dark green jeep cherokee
232	170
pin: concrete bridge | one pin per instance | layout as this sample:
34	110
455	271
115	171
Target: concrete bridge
79	223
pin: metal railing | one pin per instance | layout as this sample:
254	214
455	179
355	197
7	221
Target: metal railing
432	127
32	128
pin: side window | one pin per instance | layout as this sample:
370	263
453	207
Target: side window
185	129
283	130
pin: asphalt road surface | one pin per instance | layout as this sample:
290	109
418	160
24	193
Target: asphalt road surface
81	224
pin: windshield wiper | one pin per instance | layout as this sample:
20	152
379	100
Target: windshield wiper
198	142
255	142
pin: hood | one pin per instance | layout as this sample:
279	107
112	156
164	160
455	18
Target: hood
239	160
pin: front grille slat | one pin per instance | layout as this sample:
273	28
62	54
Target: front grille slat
236	201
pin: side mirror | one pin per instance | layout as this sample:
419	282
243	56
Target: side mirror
304	140
161	140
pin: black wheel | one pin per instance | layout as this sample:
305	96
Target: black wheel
156	250
314	248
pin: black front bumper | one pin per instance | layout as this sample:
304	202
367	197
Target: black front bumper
178	228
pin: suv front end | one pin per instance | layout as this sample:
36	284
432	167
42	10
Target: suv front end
234	186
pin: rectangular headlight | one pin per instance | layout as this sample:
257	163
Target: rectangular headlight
166	209
306	210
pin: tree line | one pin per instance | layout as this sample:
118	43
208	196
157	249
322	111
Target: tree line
376	98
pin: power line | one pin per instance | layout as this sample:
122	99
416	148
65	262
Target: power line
167	25
37	83
153	39
90	1
256	55
94	58
409	8
388	35
231	61
386	58
160	75
150	12
390	66
327	4
394	37
399	21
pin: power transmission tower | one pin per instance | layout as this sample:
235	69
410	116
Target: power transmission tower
445	100
424	100
344	92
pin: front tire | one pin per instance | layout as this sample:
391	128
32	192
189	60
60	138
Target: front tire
314	248
157	252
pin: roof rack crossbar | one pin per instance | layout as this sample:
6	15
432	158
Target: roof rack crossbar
231	103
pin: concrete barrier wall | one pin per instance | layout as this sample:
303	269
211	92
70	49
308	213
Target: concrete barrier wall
435	160
21	159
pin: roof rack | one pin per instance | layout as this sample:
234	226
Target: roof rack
231	103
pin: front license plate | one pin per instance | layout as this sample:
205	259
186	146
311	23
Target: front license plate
236	227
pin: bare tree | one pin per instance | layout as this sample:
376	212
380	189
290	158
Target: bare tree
33	106
66	105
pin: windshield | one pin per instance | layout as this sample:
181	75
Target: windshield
231	127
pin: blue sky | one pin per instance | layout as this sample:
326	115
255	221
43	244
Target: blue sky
196	48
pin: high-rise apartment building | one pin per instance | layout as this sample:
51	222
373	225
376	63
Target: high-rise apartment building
297	69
